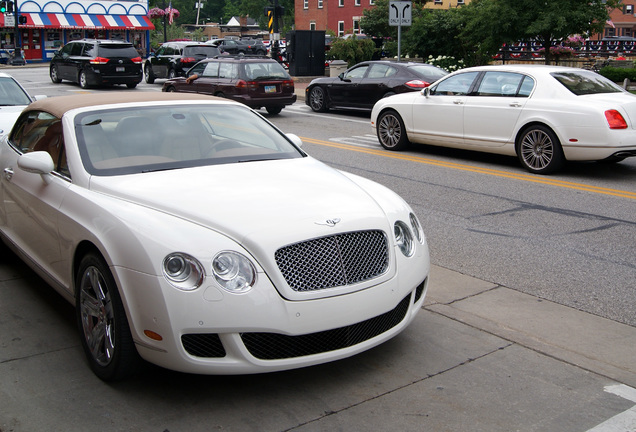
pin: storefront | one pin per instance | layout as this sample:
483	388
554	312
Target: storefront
50	24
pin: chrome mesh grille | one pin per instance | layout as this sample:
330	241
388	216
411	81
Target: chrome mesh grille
338	260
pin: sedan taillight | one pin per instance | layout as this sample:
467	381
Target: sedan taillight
136	60
615	120
417	84
187	60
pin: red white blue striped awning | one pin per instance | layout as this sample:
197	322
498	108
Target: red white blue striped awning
84	21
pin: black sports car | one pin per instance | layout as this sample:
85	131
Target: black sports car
362	85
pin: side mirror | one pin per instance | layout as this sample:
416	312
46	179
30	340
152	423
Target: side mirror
38	162
426	92
295	139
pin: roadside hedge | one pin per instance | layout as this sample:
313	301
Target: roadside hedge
618	75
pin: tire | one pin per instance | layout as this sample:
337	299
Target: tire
539	150
171	89
391	131
148	75
55	77
172	74
83	80
260	52
318	99
131	85
105	334
220	94
274	109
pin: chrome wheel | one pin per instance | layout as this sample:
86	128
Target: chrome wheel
83	81
97	316
539	150
317	99
391	133
101	318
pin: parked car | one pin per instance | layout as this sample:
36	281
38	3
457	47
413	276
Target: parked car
97	62
234	46
173	59
362	85
545	115
13	99
255	81
189	231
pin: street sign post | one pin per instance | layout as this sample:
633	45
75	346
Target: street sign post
400	15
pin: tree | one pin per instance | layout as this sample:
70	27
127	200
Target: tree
495	22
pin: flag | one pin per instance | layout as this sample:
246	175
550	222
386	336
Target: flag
610	23
170	13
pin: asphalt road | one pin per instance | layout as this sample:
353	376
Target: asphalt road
529	324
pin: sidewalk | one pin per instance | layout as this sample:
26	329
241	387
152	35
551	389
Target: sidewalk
301	83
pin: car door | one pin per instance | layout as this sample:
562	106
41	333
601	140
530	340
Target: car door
345	91
71	61
160	61
492	111
373	85
438	117
31	201
208	80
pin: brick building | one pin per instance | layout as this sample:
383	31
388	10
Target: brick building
343	16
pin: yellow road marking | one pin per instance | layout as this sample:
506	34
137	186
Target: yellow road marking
523	177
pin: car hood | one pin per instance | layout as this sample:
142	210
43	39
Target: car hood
279	201
8	116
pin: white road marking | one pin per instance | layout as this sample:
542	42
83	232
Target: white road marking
625	421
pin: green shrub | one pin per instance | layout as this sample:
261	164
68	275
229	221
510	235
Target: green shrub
352	50
618	75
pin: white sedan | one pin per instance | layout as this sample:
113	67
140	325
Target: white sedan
545	115
192	233
13	99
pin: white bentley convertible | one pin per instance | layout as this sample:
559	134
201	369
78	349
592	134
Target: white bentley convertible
192	233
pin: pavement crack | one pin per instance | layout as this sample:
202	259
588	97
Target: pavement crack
386	393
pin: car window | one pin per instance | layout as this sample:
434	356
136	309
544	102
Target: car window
265	70
456	85
144	139
500	84
228	70
211	70
584	83
11	93
117	50
67	49
526	87
201	50
356	72
428	72
381	71
41	131
77	48
161	51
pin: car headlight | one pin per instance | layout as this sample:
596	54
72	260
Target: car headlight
404	238
183	271
233	272
417	228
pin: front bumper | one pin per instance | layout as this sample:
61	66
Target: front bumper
210	331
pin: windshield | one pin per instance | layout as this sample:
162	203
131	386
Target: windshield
11	93
429	73
201	50
152	138
585	83
265	70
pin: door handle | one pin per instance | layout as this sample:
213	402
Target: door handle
458	102
515	104
8	173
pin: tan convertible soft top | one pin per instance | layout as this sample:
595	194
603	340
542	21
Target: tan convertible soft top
58	105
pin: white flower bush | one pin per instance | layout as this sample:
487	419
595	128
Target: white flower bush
449	63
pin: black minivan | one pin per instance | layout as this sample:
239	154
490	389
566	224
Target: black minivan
97	62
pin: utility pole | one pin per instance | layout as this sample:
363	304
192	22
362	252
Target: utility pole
274	13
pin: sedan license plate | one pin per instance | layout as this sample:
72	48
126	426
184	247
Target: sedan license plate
270	89
120	69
